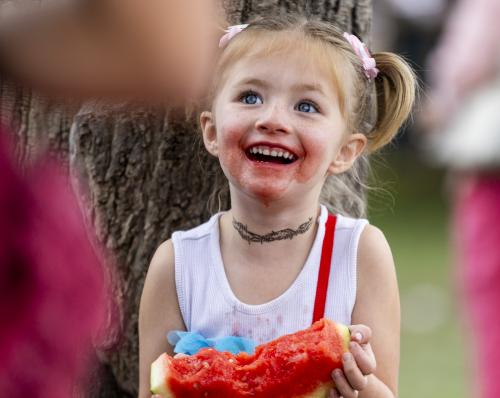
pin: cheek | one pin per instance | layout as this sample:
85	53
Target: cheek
231	154
231	130
319	150
231	125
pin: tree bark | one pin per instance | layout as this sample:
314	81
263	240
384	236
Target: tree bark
145	175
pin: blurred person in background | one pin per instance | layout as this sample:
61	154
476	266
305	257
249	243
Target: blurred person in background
409	28
52	291
462	116
153	50
53	296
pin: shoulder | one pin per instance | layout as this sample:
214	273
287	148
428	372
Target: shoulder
377	289
162	263
374	252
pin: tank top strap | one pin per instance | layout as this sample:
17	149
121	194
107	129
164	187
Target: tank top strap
324	268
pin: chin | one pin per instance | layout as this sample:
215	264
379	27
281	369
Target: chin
267	193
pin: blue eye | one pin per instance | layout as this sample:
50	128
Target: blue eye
251	98
307	107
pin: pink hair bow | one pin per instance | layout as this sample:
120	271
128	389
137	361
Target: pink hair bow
230	33
369	64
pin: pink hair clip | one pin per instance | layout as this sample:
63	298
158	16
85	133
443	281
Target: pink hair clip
230	33
369	64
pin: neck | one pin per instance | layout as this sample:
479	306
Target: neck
262	217
282	234
274	220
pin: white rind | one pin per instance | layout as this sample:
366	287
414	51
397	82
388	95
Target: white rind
345	333
159	372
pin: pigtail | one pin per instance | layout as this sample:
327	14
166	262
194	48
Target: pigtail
395	88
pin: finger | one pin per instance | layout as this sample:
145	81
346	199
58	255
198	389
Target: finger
342	385
364	357
356	379
333	394
360	333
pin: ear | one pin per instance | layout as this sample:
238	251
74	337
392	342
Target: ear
353	146
209	131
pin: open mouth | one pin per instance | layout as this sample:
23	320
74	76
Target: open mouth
263	153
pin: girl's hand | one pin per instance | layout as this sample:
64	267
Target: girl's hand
358	364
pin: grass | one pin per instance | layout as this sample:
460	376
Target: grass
414	218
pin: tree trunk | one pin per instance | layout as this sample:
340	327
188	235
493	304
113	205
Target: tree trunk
146	175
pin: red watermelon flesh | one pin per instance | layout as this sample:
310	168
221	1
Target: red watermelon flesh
295	365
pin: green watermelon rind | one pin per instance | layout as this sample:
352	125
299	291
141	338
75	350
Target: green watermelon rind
345	333
159	374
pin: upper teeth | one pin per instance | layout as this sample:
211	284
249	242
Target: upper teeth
275	152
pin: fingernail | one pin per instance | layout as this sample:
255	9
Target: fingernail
352	346
358	336
346	357
337	373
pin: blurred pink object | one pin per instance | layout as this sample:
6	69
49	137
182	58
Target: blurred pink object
467	54
51	283
477	238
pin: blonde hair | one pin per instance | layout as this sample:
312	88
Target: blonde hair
375	108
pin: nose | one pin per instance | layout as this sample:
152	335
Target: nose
273	120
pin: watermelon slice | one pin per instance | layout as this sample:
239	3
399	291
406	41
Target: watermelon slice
295	365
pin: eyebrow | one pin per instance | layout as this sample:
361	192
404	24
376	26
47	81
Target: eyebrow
298	87
309	87
253	82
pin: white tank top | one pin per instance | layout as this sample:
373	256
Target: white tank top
209	306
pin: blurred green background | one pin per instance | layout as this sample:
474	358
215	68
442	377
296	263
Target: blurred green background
409	204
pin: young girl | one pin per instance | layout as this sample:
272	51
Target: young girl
296	108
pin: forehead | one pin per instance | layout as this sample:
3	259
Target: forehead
284	56
279	71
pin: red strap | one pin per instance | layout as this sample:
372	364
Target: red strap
324	268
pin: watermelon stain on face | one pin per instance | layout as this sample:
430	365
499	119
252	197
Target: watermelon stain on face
295	365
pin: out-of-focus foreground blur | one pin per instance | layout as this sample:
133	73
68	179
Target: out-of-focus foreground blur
86	48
